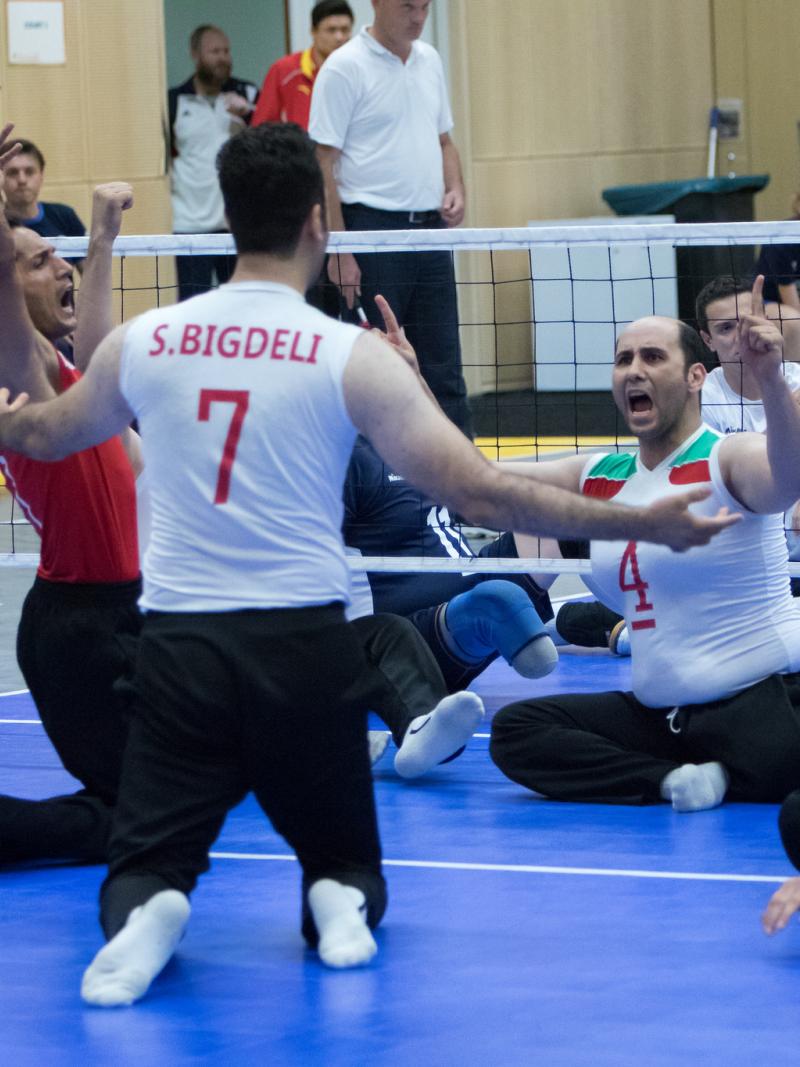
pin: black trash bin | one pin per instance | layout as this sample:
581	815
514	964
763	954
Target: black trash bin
696	200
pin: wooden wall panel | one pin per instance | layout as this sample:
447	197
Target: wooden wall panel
125	83
772	35
100	117
587	75
47	103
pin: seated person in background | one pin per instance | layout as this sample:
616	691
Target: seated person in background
715	707
286	93
732	401
24	175
466	619
780	265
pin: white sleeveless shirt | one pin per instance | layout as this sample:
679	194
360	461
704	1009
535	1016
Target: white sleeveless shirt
246	440
706	623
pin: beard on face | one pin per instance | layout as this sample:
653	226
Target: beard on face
210	75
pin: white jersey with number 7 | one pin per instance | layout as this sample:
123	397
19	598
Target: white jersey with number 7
246	440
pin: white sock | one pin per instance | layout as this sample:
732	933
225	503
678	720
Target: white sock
122	971
431	738
695	787
345	939
377	741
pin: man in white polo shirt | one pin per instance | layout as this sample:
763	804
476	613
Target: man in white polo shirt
381	119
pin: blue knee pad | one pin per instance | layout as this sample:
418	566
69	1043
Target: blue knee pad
495	616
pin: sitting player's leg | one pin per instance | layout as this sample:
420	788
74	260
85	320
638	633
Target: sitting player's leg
754	735
603	748
306	760
76	826
76	647
181	775
498	616
428	725
590	624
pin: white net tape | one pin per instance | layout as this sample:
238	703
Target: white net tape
610	237
678	235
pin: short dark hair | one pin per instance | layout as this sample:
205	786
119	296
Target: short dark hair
196	38
28	148
694	351
718	289
325	8
270	181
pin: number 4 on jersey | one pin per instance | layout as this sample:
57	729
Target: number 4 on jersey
635	585
240	399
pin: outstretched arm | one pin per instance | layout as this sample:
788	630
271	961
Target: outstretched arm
388	406
91	411
762	471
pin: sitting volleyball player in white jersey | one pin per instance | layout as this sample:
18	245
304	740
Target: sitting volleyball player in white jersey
248	677
731	394
731	402
715	634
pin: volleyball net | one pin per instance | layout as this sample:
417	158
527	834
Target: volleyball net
539	311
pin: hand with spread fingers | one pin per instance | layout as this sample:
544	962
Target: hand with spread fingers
680	528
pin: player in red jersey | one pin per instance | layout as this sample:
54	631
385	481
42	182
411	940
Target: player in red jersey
79	622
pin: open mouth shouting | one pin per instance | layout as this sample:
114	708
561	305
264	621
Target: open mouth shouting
639	402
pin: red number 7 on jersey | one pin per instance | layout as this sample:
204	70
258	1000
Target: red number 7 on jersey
240	399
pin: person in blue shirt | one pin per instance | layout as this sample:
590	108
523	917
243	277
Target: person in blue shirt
23	183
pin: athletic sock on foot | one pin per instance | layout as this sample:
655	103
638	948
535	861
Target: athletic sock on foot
434	738
695	787
339	911
122	970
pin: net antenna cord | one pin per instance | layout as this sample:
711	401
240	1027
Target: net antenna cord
713	134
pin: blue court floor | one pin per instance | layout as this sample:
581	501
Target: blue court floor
519	931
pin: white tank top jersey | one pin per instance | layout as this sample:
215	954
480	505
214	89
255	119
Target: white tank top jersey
706	623
246	441
727	411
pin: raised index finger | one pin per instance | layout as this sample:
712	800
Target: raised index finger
389	319
757	303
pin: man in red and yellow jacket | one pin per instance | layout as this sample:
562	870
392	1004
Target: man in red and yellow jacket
286	93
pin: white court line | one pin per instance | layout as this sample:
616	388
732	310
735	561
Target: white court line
515	868
15	693
20	722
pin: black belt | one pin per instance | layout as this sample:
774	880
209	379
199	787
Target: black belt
412	218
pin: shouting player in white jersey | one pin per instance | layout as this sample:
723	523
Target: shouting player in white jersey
715	634
249	678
